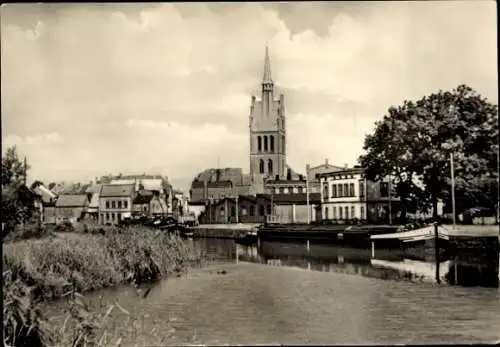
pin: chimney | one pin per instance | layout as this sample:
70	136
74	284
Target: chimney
326	161
346	166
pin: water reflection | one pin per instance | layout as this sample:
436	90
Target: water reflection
386	265
257	302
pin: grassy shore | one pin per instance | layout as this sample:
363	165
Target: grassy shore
43	269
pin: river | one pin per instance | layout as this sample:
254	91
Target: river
282	294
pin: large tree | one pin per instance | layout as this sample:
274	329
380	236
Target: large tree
414	142
13	171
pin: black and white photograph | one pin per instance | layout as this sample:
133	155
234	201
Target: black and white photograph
250	173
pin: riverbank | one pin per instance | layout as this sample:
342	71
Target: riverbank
50	268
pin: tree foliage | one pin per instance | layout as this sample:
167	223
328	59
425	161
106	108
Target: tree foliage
13	170
414	142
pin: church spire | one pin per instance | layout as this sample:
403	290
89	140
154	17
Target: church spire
267	68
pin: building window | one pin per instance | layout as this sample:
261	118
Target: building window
353	212
282	190
283	151
113	217
125	204
384	189
259	143
341	193
269	209
362	212
289	175
300	189
361	188
340	212
222	211
270	166
233	211
261	166
271	139
334	212
351	189
119	204
265	144
261	210
243	211
145	208
334	190
346	190
325	191
107	204
252	211
107	216
346	211
113	204
326	212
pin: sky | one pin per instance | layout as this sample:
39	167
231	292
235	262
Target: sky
89	90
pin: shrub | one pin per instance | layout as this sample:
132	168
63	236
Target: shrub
50	268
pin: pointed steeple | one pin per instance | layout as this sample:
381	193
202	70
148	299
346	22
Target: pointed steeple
267	68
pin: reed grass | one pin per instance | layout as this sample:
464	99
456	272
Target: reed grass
49	268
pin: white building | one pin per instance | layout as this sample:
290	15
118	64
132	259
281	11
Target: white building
346	194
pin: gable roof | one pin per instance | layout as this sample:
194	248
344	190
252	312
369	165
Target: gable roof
48	197
72	200
117	190
151	184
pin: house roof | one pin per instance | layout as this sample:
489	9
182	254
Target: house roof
48	196
72	200
147	183
122	181
152	184
143	198
348	171
117	190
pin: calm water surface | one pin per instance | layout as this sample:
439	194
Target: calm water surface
280	293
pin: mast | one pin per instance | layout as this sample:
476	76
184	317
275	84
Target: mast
390	200
307	196
452	169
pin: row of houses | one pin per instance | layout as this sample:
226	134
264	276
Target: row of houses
339	193
110	202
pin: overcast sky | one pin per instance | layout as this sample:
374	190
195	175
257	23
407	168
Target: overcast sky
93	89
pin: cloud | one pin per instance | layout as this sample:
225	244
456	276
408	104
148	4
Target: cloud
36	140
132	86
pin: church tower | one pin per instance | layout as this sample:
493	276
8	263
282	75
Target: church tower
267	131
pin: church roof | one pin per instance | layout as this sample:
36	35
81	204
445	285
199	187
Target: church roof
235	175
266	78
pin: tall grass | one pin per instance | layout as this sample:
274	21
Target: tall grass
36	270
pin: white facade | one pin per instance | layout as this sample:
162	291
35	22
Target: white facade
114	209
343	195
